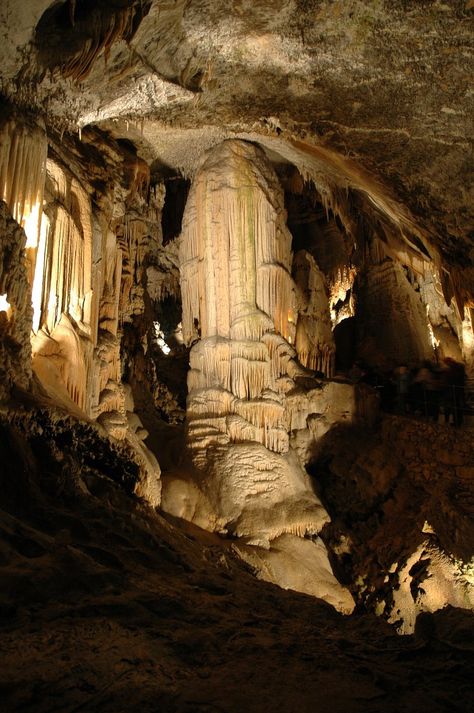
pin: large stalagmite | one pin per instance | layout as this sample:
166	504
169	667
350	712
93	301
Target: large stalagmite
238	297
239	308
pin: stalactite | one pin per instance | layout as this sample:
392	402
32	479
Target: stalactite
280	352
74	44
340	286
248	378
23	152
68	271
275	297
133	241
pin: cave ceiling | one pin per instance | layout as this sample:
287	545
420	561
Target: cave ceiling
378	95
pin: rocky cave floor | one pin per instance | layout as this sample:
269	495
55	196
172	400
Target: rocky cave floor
105	605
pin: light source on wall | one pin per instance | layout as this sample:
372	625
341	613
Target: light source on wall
37	288
160	338
434	342
291	321
31	225
341	293
467	334
4	303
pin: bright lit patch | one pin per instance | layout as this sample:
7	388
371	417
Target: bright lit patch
37	289
433	340
341	294
160	338
31	227
4	303
467	332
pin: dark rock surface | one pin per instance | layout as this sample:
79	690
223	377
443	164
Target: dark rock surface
107	606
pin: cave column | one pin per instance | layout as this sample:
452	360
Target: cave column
238	298
239	315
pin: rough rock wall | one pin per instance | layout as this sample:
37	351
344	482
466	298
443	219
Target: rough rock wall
391	319
23	150
440	569
15	310
68	288
314	339
402	504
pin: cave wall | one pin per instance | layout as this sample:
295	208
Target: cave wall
70	269
15	310
401	507
84	263
391	319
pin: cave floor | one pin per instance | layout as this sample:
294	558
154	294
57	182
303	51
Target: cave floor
105	605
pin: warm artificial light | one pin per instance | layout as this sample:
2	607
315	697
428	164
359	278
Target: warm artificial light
160	339
31	226
37	289
4	303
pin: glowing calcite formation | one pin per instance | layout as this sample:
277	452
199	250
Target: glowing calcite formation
314	338
239	307
23	152
68	293
66	305
83	287
300	564
238	299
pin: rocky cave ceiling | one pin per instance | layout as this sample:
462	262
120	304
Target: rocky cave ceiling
378	93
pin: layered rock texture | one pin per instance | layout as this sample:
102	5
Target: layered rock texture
239	306
64	283
230	234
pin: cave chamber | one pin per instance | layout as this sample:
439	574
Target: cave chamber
236	328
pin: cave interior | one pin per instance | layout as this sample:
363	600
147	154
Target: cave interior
236	355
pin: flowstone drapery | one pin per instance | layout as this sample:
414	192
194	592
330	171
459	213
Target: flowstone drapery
62	295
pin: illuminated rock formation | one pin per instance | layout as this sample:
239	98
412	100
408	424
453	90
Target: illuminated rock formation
299	564
63	298
104	106
22	172
238	299
239	304
314	338
23	150
68	288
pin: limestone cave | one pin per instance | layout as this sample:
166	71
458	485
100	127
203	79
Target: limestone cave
236	356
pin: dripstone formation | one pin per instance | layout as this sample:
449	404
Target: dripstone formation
232	238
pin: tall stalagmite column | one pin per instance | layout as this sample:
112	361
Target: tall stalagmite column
239	311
